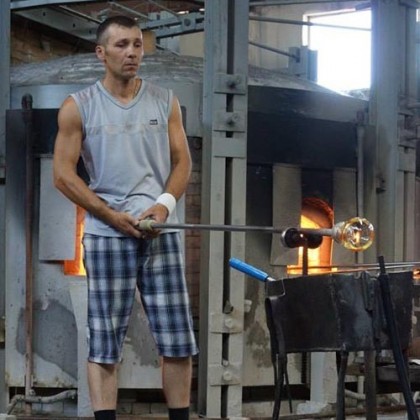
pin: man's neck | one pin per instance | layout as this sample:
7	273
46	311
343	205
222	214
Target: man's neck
123	90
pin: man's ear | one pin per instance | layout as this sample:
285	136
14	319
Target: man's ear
100	52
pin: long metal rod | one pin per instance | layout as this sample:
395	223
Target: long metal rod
78	14
356	268
345	271
150	224
225	228
276	50
304	23
166	9
371	265
129	10
290	2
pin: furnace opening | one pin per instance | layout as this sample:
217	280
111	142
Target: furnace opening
315	214
75	267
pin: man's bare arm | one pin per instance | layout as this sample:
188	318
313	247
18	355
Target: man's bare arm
67	149
180	154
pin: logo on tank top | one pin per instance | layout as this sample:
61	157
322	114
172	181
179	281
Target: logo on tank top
153	122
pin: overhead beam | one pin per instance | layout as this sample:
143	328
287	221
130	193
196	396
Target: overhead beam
83	26
62	21
291	2
173	26
25	4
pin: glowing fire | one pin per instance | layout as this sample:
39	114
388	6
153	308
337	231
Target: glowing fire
75	267
319	259
313	254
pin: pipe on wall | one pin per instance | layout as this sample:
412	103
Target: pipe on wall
29	216
360	134
33	399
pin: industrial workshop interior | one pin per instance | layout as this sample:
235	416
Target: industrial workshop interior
300	224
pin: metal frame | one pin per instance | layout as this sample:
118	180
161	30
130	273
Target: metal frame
4	105
22	4
391	179
61	19
65	19
223	201
173	26
58	15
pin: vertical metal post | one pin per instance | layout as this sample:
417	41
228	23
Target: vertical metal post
225	105
383	155
408	146
370	385
393	87
386	65
29	223
5	78
4	105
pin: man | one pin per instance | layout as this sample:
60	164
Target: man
129	134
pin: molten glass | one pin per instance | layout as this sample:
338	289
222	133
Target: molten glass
356	234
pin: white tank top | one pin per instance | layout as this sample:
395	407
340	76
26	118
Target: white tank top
125	149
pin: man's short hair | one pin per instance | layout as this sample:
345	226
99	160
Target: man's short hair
119	20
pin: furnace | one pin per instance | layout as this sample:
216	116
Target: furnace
302	162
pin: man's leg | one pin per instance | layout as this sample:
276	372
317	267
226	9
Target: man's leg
103	388
110	303
176	381
162	274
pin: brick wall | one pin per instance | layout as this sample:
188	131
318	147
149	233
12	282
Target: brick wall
193	213
31	43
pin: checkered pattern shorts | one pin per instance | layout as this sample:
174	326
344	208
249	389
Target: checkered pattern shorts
115	267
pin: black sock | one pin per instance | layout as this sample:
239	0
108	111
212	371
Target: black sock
105	415
179	413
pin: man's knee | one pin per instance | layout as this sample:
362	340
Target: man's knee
108	367
180	360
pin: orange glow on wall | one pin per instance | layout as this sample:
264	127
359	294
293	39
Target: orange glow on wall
319	259
314	258
75	267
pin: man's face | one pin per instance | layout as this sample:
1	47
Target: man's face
122	51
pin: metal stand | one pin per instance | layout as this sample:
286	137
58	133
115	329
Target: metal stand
333	304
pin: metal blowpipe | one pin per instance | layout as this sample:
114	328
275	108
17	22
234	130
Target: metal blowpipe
356	234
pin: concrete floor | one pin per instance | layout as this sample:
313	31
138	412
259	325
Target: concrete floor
394	416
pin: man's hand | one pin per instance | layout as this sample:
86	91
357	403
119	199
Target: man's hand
159	213
124	222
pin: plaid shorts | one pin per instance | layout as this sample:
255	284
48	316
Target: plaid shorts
114	267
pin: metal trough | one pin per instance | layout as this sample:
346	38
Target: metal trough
335	312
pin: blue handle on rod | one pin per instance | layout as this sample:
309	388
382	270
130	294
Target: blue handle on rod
248	269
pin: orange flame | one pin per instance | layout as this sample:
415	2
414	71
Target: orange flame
75	267
318	257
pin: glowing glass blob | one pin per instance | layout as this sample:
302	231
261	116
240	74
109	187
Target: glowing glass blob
356	234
